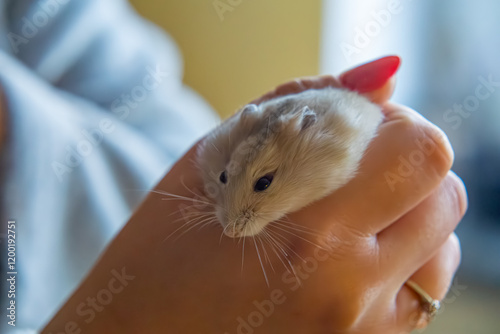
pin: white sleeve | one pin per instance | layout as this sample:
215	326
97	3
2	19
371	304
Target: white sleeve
96	109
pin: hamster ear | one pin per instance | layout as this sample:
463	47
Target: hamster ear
374	80
249	113
308	118
249	110
300	120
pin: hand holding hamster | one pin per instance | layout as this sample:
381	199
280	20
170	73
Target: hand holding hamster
277	156
374	234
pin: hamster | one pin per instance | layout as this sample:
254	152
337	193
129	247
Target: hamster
277	157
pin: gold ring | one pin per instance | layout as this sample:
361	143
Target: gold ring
429	305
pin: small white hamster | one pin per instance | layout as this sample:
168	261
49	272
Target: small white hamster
277	157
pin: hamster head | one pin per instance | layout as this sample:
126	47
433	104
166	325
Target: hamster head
260	165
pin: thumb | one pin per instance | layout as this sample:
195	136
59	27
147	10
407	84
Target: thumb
375	80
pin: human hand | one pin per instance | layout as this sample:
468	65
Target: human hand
373	234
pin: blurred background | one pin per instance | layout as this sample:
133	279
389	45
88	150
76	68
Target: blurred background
234	50
67	66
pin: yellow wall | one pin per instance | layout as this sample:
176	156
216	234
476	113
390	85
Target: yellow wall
232	58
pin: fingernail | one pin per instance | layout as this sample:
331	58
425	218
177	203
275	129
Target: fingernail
370	76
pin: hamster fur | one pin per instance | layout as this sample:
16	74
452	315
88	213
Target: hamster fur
299	148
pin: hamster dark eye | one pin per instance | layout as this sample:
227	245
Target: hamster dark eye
263	183
223	177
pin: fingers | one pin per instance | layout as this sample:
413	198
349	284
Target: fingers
409	242
406	161
300	85
375	79
382	94
434	277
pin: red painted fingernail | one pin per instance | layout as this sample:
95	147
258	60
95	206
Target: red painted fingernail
371	76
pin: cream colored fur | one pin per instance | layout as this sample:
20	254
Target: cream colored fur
312	142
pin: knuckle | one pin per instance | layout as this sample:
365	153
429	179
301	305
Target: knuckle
429	139
445	155
449	202
459	193
446	264
455	252
328	81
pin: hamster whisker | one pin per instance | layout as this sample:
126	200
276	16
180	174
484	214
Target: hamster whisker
205	222
188	211
191	191
192	214
302	227
176	197
213	145
223	231
213	221
287	219
298	236
273	248
242	252
193	222
296	227
180	198
242	236
260	260
268	237
285	242
286	256
268	260
273	240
